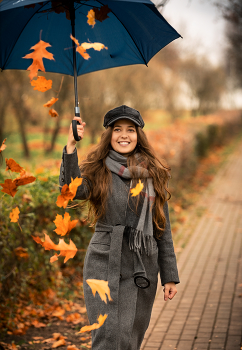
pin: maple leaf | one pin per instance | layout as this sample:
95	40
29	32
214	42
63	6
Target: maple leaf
91	18
138	188
9	187
13	166
3	146
101	319
37	56
24	179
14	215
101	287
102	13
42	84
53	113
51	102
65	225
68	192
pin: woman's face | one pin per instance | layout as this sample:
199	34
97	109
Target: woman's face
124	136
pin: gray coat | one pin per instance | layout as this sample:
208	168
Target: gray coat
109	258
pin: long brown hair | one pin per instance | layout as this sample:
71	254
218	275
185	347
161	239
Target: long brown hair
95	170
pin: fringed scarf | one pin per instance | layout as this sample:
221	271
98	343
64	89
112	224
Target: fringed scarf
139	227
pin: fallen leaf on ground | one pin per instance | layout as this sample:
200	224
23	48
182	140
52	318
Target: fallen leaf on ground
14	215
101	287
101	319
59	343
42	84
137	189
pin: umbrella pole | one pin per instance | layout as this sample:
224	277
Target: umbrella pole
77	108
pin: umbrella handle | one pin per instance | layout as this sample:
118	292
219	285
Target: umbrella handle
74	129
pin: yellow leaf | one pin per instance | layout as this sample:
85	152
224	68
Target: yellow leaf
14	215
101	319
95	46
138	188
101	287
64	225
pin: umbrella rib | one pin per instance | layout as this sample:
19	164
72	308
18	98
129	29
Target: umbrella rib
129	35
18	38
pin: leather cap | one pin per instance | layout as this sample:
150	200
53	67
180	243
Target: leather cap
123	112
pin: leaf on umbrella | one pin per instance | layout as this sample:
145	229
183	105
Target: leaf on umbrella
13	166
85	46
101	319
138	188
41	84
9	187
101	287
102	13
53	113
64	225
3	146
51	102
68	192
80	49
37	56
91	18
14	215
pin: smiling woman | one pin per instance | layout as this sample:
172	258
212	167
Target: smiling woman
132	240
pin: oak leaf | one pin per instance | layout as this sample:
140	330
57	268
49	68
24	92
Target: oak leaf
51	102
14	215
68	192
101	287
13	166
42	84
101	319
137	189
3	146
37	56
53	113
9	187
64	225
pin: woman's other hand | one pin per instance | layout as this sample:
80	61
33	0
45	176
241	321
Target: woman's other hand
71	143
169	290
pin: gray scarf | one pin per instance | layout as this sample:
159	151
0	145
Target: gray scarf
140	230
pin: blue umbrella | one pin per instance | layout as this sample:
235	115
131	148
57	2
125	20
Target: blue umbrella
133	32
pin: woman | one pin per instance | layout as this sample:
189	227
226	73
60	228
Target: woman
132	240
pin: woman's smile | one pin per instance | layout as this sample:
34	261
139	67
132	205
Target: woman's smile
124	136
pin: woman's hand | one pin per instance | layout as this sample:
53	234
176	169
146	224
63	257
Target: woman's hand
169	290
71	143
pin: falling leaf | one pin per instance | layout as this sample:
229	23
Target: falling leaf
41	84
13	166
51	102
85	46
68	192
24	179
64	225
138	188
101	287
21	252
101	13
14	215
3	146
101	319
9	187
37	56
53	113
91	18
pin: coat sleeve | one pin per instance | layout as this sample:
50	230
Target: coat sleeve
69	169
166	255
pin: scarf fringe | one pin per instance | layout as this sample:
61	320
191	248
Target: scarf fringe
138	241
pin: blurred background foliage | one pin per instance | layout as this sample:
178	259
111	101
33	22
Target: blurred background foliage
181	97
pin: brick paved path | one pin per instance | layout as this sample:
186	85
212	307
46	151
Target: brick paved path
206	313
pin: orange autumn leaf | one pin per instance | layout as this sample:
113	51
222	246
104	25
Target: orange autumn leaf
101	287
53	113
91	18
85	46
37	56
51	102
80	49
21	252
101	13
14	215
42	84
9	187
68	192
59	343
3	146
13	166
101	319
137	189
24	179
64	225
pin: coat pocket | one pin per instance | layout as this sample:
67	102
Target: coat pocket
101	241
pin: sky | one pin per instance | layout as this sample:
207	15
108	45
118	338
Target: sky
200	24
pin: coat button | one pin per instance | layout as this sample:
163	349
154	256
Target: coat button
62	179
62	172
120	276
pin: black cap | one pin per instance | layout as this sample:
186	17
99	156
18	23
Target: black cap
123	112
